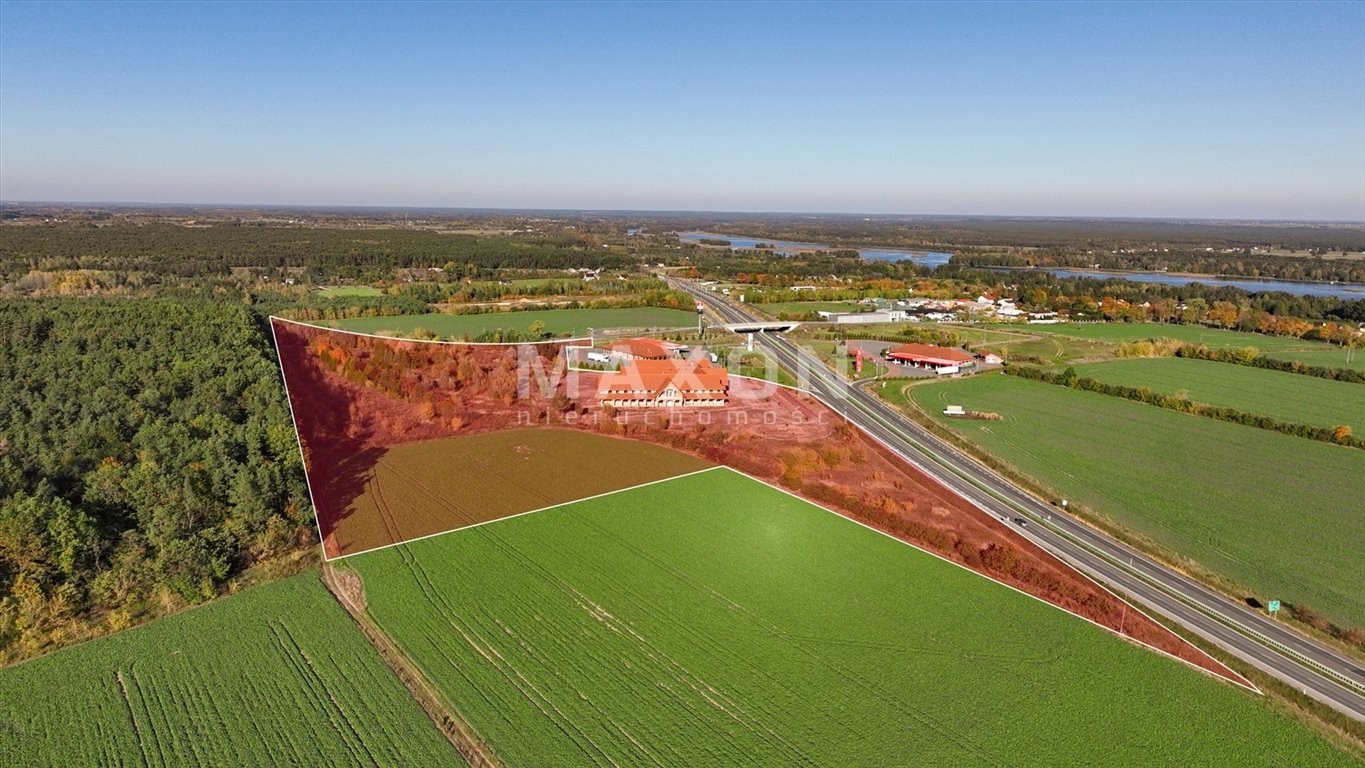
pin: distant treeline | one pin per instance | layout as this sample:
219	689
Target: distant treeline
495	290
1341	434
316	307
1042	290
800	268
1242	264
172	250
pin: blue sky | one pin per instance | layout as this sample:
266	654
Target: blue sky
1249	110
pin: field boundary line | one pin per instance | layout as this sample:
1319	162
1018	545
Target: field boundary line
298	437
988	577
982	510
522	514
792	387
430	341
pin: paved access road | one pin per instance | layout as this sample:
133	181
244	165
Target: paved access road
1299	661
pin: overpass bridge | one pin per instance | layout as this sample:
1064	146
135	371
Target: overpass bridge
751	329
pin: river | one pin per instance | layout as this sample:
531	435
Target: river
789	248
937	259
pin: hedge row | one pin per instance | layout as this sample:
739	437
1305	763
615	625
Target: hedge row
1251	357
1340	435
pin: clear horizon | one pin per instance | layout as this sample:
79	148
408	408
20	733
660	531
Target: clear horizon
1252	112
358	207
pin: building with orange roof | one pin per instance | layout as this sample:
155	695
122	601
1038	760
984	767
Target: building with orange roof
926	356
640	349
666	384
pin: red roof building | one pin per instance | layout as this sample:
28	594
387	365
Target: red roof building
666	384
929	356
640	349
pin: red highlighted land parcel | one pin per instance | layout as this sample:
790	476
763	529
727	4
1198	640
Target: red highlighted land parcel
404	439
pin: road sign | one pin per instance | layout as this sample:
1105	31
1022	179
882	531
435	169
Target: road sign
1273	606
700	307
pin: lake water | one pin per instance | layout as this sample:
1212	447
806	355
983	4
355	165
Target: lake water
1337	290
937	259
789	247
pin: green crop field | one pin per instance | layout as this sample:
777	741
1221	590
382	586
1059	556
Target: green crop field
1282	347
1325	355
1284	396
976	335
758	365
340	291
277	675
1055	350
1276	513
1116	333
557	321
712	620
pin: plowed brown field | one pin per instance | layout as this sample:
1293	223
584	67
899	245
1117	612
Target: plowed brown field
419	489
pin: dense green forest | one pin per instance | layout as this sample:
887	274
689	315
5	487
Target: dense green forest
147	457
174	250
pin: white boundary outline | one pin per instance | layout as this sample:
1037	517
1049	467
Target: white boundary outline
565	342
785	386
298	437
877	531
982	510
1247	684
327	559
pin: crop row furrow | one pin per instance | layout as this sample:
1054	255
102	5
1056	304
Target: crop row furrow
663	660
475	643
341	725
132	717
